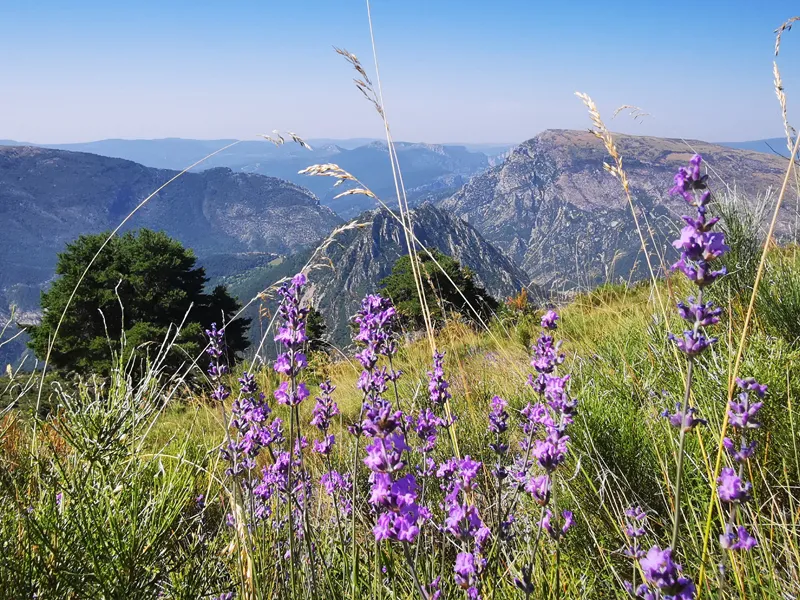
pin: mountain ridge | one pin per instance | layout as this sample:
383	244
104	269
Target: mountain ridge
425	166
363	255
50	197
554	210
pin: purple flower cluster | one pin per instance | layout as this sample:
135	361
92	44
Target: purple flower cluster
683	420
731	486
427	425
553	414
394	496
254	430
338	486
375	319
463	520
663	578
437	384
250	423
698	244
635	519
292	334
546	354
554	532
498	425
216	370
275	483
699	247
324	410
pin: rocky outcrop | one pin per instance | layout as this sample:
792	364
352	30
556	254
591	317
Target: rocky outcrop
364	255
553	209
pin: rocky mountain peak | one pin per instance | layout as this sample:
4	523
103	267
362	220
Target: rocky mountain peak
553	208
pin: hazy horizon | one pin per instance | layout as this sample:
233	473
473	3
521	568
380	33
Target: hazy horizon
467	71
354	140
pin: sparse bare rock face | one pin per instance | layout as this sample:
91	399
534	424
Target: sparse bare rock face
554	210
364	255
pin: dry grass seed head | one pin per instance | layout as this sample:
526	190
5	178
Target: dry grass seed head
636	113
785	27
279	140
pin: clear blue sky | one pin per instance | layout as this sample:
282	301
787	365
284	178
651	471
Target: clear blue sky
453	70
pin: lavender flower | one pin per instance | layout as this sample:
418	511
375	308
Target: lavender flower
549	319
692	342
336	484
539	488
380	418
434	590
751	385
699	247
684	420
737	540
250	420
324	410
427	426
292	332
498	424
663	574
437	386
400	519
551	451
743	453
702	314
498	416
385	454
731	488
463	519
393	496
215	349
635	519
554	532
375	322
742	413
465	570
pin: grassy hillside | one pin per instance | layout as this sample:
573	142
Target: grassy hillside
623	371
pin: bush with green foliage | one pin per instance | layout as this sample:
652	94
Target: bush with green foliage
143	288
778	301
449	289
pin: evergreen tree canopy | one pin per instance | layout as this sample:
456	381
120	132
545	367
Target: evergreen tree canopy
441	295
316	330
141	285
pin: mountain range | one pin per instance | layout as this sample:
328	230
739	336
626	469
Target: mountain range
427	168
554	210
50	197
546	216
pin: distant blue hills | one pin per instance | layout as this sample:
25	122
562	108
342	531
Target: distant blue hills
769	145
429	170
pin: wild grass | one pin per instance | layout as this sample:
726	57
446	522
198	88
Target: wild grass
129	467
